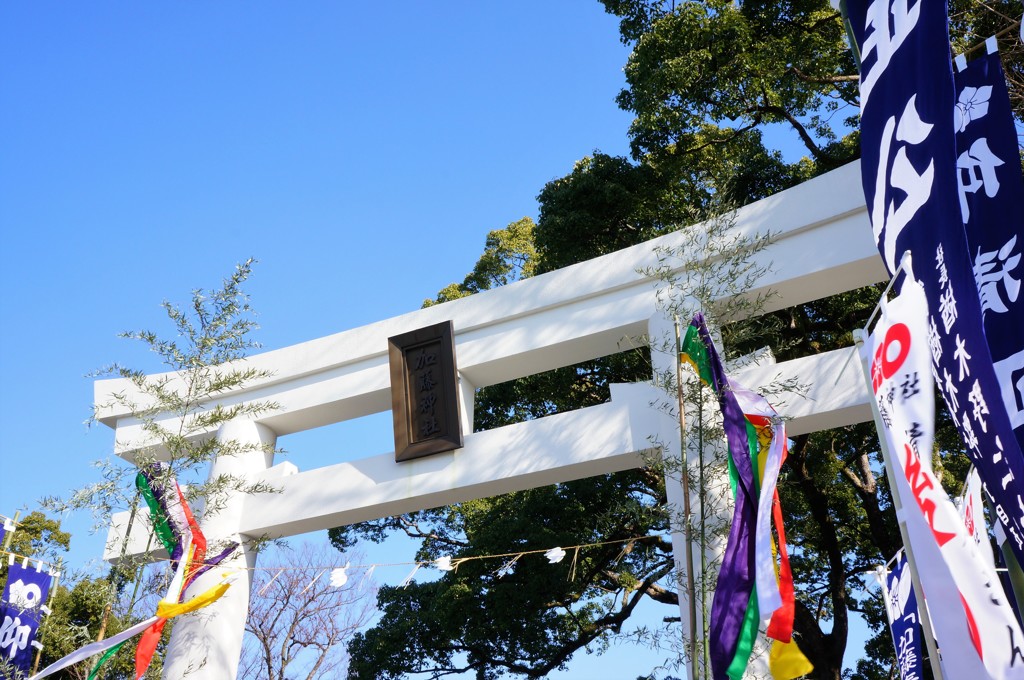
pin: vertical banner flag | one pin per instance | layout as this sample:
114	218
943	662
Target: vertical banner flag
910	183
973	622
901	610
991	196
24	602
972	511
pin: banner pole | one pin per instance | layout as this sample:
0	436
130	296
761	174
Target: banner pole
880	573
10	534
687	531
703	544
926	622
49	598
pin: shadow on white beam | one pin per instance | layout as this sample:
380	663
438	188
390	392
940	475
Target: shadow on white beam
598	440
835	397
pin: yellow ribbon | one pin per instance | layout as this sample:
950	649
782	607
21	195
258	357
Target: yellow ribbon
168	609
786	661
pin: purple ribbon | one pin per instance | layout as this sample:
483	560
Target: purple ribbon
736	577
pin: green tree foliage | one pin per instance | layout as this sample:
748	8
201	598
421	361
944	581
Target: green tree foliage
37	536
605	204
509	255
702	74
528	621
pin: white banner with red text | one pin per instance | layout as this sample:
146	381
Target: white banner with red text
977	632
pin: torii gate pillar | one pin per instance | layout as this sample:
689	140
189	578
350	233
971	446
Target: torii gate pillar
208	644
822	246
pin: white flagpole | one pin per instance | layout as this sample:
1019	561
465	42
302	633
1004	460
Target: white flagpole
882	572
926	624
687	531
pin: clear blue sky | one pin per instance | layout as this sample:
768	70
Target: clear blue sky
145	148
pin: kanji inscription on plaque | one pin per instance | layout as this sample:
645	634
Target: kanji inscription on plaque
424	392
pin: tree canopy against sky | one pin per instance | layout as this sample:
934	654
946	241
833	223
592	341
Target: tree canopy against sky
722	93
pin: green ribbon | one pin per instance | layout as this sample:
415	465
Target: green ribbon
160	523
745	644
103	659
751	619
695	353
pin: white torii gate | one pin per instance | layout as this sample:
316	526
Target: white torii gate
588	310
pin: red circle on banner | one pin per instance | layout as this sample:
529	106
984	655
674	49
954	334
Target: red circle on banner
897	333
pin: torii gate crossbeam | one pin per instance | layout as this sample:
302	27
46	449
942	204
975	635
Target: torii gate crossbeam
822	246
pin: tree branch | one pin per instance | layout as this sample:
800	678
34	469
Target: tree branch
812	146
831	80
817	502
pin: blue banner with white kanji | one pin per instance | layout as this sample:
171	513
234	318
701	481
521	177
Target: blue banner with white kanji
991	194
904	625
6	528
21	611
909	175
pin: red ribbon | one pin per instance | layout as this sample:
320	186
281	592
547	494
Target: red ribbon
147	647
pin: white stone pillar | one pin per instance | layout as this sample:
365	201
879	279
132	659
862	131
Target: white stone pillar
207	644
467	401
661	332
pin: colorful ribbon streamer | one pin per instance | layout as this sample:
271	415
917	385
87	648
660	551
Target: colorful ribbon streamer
748	585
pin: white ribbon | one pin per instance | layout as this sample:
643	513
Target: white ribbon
93	649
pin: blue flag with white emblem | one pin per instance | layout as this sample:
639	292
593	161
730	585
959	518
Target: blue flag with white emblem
991	195
904	621
24	602
909	173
